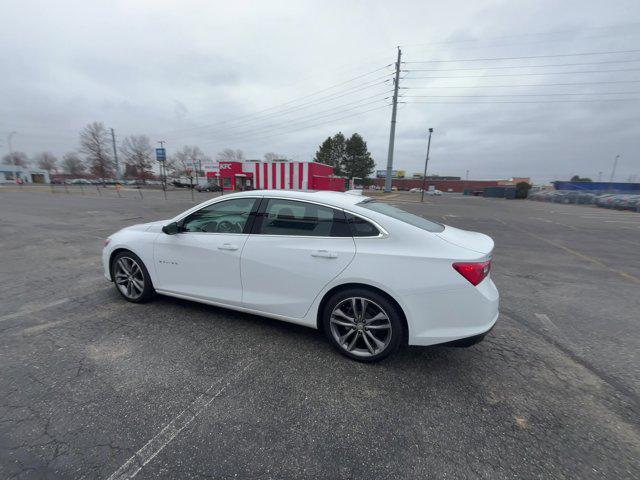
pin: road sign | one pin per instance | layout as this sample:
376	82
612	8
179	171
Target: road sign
161	154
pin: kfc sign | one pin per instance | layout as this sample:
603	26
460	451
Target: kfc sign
225	166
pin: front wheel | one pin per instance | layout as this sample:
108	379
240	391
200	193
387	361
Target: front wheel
131	277
362	325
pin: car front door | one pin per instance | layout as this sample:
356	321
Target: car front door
294	250
203	259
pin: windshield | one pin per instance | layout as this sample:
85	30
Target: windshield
398	214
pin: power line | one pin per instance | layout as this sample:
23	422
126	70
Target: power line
287	111
541	101
530	74
234	136
607	82
253	114
527	57
522	66
333	120
522	95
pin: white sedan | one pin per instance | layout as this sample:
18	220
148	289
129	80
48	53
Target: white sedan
371	276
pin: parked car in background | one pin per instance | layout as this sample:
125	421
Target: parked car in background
181	184
433	192
208	188
618	201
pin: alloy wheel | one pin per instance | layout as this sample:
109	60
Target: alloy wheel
360	326
129	277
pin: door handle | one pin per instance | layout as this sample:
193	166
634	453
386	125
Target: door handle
324	254
227	246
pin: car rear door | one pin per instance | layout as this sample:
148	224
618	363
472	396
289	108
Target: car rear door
203	260
294	250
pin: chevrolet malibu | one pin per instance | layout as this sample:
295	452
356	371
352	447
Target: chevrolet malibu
369	275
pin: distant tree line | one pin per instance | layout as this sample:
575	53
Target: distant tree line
94	157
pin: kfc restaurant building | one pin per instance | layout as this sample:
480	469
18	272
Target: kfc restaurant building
255	175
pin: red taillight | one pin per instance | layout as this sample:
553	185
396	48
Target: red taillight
475	272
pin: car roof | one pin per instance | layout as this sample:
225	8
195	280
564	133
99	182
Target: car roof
336	199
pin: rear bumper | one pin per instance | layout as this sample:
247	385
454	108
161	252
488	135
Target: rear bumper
469	341
442	317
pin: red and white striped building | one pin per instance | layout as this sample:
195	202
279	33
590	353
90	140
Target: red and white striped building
274	175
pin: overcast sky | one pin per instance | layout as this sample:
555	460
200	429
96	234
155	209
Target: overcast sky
282	76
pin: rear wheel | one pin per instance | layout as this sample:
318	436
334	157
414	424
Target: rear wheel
362	325
131	277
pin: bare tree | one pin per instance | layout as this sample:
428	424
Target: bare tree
18	159
73	164
230	155
46	161
94	143
137	153
271	156
186	161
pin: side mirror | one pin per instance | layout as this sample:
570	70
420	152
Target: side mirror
171	229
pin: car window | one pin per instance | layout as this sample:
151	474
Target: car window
398	214
229	216
361	227
289	217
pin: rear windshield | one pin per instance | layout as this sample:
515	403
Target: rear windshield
401	215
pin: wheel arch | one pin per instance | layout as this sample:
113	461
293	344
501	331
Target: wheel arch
364	286
113	254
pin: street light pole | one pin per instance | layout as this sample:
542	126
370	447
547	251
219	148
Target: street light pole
15	165
426	161
613	170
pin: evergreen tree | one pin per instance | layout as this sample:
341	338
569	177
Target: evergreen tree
331	152
357	159
338	145
323	155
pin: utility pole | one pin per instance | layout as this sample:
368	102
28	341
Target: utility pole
613	170
426	161
392	134
115	155
599	176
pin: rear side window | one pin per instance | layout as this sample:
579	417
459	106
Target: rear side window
289	217
398	214
361	227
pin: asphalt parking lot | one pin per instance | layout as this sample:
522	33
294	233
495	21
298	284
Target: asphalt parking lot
94	387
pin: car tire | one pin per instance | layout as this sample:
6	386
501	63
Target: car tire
368	336
133	282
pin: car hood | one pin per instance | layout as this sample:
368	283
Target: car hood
475	241
148	227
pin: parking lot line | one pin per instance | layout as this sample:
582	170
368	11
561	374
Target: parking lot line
34	309
546	321
593	260
153	447
583	256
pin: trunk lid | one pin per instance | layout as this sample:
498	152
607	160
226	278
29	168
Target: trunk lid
474	241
